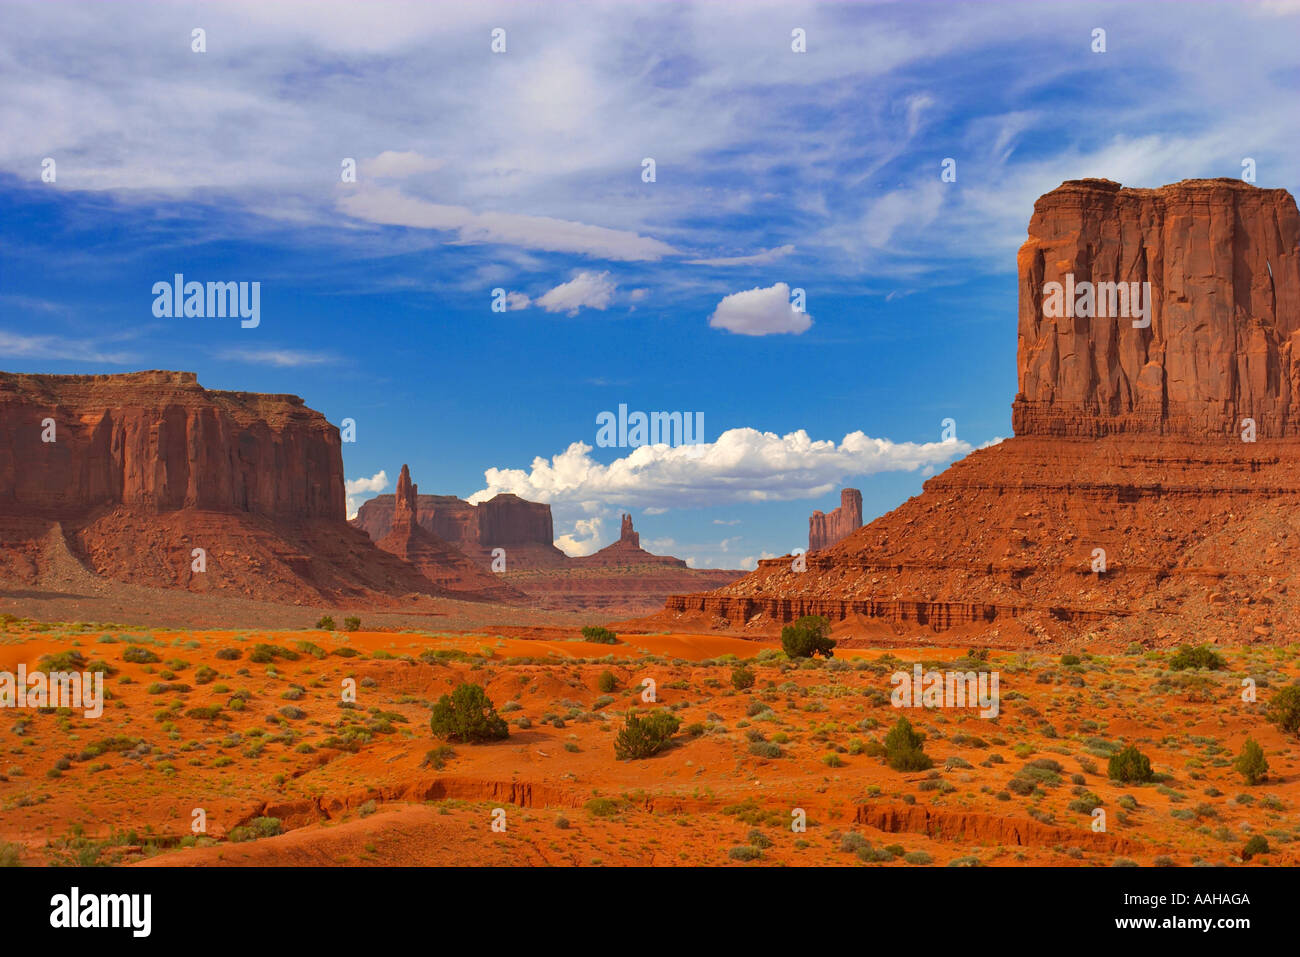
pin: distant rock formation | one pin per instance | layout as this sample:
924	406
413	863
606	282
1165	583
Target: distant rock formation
1134	502
825	530
127	475
524	529
627	551
448	568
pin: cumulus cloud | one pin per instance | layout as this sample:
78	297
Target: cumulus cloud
588	290
392	207
760	312
742	465
583	540
357	489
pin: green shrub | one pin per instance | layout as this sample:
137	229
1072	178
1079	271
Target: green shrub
257	828
904	748
602	636
1129	765
1202	656
744	852
1070	659
228	654
742	677
351	623
326	623
807	637
438	757
606	682
205	713
467	715
643	737
1250	764
1256	845
139	656
1284	709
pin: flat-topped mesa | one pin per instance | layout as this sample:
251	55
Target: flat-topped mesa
825	530
1220	257
160	441
1127	507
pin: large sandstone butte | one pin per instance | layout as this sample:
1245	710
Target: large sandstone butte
825	530
524	529
125	476
446	567
1128	505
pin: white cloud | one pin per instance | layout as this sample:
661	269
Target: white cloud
516	301
757	259
356	488
15	345
392	207
392	164
583	540
760	312
743	465
281	358
586	290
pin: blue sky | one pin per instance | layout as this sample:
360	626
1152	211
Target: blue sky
522	171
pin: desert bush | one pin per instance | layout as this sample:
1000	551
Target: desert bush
807	637
326	623
205	713
1250	763
904	748
1130	766
1070	659
438	757
744	852
1256	845
1201	656
742	677
257	828
228	654
351	623
602	636
139	656
607	682
1284	709
467	715
643	737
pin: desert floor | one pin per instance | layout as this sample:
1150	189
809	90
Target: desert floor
275	750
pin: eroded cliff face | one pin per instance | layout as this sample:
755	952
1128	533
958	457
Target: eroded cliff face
1221	262
161	441
1127	507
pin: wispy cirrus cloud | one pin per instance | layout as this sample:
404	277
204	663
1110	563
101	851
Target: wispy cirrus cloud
23	346
280	358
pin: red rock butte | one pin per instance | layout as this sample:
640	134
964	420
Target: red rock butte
825	530
1132	503
124	476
